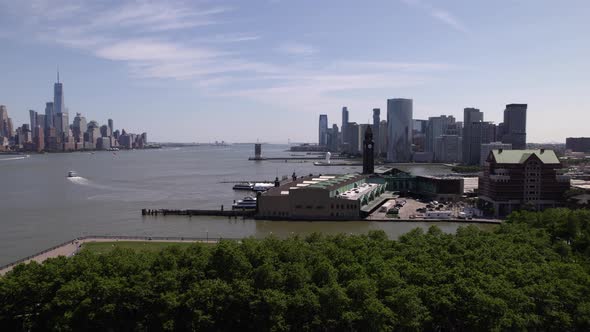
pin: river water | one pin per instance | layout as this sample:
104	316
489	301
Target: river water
41	207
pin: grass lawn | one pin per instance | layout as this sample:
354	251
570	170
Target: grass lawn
105	247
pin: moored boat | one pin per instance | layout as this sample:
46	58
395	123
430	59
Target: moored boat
243	186
246	203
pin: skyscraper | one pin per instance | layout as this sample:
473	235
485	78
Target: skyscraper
49	115
470	152
399	129
376	121
3	120
58	97
481	133
79	127
333	138
344	125
33	118
323	130
448	149
111	126
437	126
514	126
62	124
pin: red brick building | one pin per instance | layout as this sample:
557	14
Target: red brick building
514	179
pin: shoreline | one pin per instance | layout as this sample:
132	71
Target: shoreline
71	247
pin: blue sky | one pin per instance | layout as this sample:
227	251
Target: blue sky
248	70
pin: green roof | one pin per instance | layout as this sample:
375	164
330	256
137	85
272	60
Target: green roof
520	156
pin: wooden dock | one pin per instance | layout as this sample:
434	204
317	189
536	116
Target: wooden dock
218	213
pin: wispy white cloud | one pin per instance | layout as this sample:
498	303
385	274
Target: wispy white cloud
167	40
439	14
295	48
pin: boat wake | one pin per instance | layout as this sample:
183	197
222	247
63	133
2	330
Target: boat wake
15	158
111	193
85	182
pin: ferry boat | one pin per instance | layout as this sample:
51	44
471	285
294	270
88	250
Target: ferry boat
72	174
246	203
244	186
262	186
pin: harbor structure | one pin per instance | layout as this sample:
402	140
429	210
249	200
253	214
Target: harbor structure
521	179
325	197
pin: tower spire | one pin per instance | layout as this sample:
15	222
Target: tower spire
57	73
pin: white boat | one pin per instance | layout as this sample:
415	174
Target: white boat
262	186
246	203
243	186
72	174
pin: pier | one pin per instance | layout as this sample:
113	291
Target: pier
218	213
299	158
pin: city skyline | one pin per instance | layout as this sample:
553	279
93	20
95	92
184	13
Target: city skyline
209	63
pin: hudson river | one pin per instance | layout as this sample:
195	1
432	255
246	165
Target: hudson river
41	207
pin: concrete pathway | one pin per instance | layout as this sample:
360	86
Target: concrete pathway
70	248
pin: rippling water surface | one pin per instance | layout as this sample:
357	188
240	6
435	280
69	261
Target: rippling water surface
40	206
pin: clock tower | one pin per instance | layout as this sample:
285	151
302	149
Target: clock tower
368	156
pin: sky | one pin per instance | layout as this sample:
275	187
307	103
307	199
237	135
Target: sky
242	71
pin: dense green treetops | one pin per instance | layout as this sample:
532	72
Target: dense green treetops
529	273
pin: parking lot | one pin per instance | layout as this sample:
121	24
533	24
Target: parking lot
408	210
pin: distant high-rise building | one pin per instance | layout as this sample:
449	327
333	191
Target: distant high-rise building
111	126
351	144
368	153
93	132
344	125
62	124
486	148
437	126
39	139
105	131
448	149
419	128
333	138
8	128
323	130
3	121
79	127
399	123
470	151
383	137
41	121
578	144
481	133
33	119
49	115
514	126
376	122
58	97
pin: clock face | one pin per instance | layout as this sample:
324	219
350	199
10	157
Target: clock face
370	146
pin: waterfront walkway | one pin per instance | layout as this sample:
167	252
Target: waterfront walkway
71	247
